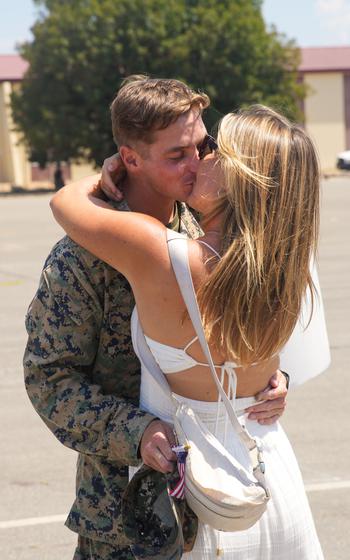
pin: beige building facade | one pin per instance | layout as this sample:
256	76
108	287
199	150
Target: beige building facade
326	72
14	165
15	168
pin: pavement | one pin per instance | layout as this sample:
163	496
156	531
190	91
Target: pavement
38	473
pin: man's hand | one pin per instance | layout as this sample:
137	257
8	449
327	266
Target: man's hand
273	401
155	447
113	171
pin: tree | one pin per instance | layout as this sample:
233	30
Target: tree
81	50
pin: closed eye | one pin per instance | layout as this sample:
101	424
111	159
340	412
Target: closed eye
177	158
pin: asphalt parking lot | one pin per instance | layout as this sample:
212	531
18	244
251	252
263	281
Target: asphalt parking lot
38	473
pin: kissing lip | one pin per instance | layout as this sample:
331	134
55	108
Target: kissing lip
190	181
190	178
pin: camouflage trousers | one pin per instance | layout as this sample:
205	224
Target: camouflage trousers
89	549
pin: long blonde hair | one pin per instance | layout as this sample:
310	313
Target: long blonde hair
251	301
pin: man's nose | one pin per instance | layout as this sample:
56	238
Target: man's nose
194	163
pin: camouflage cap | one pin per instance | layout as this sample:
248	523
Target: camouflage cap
154	522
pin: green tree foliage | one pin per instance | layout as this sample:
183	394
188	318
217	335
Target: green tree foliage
81	50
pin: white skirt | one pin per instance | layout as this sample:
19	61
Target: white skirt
286	530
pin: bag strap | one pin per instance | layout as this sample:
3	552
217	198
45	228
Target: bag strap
147	359
178	252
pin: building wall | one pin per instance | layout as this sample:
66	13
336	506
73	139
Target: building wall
81	170
14	167
4	140
325	115
347	108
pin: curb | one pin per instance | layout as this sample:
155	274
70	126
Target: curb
20	191
335	173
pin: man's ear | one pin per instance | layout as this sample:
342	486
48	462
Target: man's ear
130	157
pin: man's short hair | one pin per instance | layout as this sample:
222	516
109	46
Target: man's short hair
144	105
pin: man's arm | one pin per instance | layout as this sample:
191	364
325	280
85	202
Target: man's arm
271	402
63	325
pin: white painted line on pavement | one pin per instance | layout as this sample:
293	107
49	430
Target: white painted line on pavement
317	487
33	521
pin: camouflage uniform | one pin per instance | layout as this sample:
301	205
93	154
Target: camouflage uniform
83	379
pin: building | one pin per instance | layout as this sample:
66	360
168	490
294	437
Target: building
15	168
326	72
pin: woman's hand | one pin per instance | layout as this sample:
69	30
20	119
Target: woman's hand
273	401
113	172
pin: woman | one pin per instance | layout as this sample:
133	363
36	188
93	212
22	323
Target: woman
258	195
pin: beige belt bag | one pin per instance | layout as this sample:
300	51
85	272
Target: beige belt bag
217	488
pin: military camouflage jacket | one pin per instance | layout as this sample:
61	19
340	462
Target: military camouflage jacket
83	377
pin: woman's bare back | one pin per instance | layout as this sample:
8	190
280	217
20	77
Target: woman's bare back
162	314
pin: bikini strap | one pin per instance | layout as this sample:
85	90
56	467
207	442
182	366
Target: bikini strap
210	247
196	337
190	344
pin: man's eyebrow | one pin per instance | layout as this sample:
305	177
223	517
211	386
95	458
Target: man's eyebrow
179	148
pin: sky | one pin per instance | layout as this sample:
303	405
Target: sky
309	22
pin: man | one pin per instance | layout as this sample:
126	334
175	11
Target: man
81	373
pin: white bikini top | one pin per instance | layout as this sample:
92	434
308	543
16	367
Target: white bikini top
173	360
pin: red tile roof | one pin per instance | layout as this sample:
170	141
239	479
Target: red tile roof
325	59
12	67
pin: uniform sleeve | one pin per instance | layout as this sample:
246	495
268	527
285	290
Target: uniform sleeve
63	328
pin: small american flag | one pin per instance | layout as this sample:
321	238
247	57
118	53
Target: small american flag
179	490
